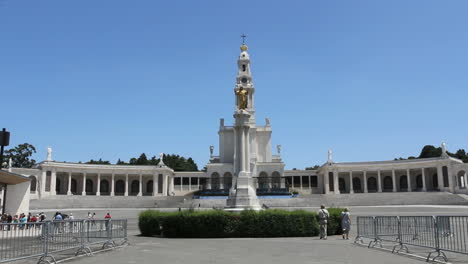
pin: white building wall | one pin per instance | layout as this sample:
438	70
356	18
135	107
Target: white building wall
17	198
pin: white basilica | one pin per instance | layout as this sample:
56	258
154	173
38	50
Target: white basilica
245	165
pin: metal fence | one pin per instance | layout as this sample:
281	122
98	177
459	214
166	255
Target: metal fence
439	233
45	239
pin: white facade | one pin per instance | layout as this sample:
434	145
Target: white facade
245	160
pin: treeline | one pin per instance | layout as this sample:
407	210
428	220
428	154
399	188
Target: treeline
176	162
429	151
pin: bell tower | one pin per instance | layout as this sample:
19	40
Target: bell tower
243	192
244	88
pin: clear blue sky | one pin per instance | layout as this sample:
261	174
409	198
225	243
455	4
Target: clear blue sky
372	80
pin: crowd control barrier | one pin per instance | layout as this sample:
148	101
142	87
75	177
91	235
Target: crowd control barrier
439	233
45	239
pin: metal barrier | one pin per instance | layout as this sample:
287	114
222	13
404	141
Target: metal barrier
439	233
46	239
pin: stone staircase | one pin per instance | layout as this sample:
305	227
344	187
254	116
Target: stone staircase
64	202
330	200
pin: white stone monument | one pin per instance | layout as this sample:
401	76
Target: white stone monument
49	154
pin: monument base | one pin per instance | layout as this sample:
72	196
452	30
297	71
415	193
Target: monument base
244	197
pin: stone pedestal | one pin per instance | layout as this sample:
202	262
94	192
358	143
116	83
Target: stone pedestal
244	196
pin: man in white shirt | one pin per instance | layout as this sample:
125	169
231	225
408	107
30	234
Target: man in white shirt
323	221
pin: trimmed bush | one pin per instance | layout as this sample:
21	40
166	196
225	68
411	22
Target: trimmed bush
249	223
150	222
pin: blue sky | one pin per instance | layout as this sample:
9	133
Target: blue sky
372	80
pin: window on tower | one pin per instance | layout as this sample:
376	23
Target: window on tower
243	67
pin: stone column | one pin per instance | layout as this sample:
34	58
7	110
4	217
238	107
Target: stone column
83	191
326	183
300	181
365	181
140	191
69	183
126	185
408	172
379	182
42	183
53	180
155	185
423	176
394	181
440	178
164	185
351	187
171	185
112	193
182	183
190	183
335	182
452	184
98	190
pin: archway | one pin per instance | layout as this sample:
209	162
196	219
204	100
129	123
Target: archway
388	183
73	186
149	187
371	184
461	175
227	180
57	185
357	184
419	181
263	180
89	186
341	185
403	183
33	185
135	187
435	181
276	180
215	181
119	187
104	187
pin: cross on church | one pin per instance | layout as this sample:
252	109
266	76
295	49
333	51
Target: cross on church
243	36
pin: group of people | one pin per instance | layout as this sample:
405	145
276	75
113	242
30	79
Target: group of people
12	222
23	221
324	216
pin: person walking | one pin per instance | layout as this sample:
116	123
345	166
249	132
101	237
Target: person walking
323	221
345	223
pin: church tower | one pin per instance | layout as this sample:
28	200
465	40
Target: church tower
245	162
244	81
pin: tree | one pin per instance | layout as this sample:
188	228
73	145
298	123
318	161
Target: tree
119	162
21	155
142	160
316	167
100	161
430	151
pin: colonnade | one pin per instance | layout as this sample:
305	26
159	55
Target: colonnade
156	183
391	180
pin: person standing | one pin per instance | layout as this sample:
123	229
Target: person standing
323	221
345	223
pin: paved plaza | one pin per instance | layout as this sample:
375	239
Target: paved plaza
267	250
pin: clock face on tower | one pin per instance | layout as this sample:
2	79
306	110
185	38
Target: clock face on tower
244	80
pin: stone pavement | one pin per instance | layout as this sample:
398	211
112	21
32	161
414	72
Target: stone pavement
254	250
244	250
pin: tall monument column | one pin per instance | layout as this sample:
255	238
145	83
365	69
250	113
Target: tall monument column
243	193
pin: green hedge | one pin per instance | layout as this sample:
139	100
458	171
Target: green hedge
249	223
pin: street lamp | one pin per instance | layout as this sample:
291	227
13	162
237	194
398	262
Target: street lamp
4	141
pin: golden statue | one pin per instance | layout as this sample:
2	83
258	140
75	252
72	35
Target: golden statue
241	98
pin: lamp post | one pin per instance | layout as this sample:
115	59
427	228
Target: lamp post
4	141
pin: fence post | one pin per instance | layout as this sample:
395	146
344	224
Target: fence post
46	226
399	238
440	254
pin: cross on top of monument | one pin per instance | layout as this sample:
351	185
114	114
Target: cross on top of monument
243	36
